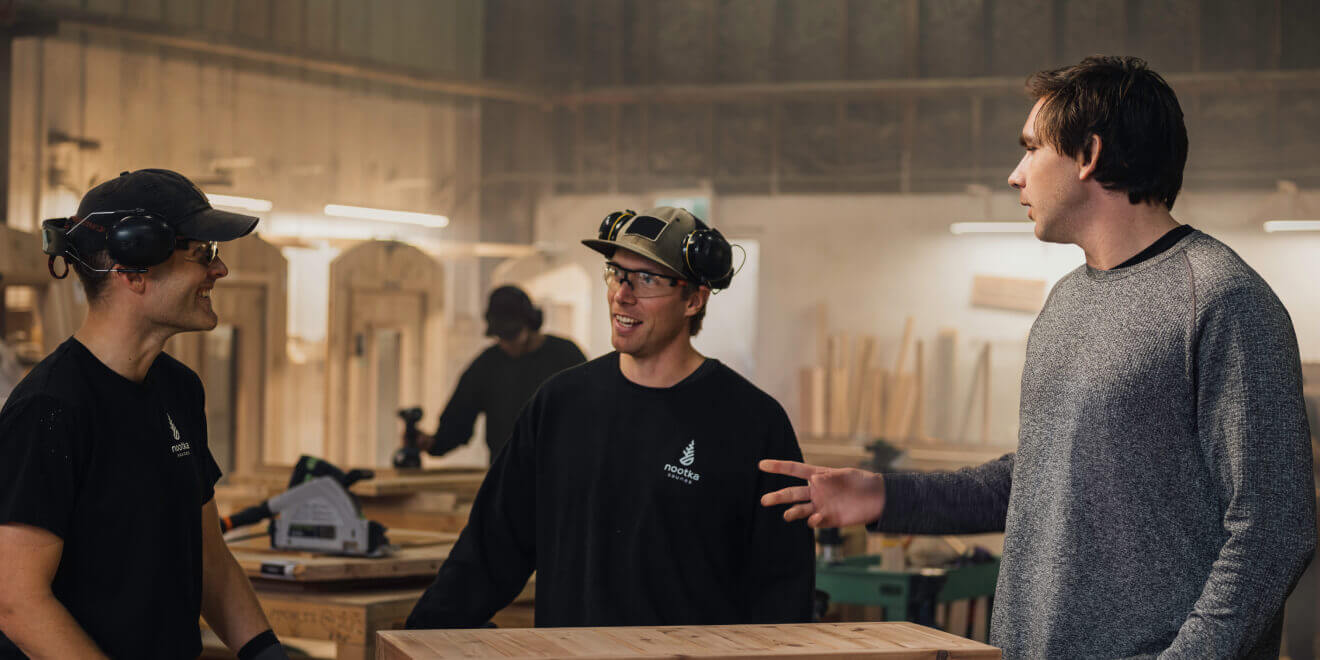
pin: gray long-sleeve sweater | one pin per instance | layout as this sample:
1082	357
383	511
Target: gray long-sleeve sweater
1160	501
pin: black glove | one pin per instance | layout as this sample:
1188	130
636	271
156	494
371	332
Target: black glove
265	646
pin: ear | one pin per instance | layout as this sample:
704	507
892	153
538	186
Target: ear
1088	165
697	300
136	282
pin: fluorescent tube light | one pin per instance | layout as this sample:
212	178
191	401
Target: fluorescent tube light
245	203
1292	225
992	227
364	213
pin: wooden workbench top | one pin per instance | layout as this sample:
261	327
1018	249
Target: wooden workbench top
891	641
419	555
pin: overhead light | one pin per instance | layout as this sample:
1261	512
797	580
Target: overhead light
245	203
364	213
992	227
1292	225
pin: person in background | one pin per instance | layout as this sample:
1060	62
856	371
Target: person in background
504	376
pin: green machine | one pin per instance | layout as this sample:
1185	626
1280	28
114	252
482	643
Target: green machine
909	595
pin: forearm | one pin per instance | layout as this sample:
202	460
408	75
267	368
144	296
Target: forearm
42	628
229	604
968	501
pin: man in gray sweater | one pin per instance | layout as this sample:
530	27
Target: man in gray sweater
1160	502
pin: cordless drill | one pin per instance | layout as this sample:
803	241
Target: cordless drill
409	455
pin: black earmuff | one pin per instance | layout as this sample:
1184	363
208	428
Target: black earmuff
610	226
140	241
708	255
137	240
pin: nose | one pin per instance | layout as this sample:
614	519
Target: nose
619	295
1018	177
218	268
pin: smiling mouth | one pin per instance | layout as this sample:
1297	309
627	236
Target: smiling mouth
626	321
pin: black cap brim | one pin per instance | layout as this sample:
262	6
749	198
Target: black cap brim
216	225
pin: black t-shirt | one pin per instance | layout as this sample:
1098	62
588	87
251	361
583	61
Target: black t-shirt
1159	246
120	471
499	385
635	506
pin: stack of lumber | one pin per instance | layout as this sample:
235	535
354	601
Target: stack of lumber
848	395
852	395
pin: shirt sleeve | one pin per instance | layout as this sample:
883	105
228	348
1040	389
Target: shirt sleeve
460	414
1253	432
496	552
972	500
42	462
781	576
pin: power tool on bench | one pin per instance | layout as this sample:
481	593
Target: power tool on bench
317	513
410	454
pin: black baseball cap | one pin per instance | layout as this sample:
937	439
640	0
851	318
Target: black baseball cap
509	311
169	196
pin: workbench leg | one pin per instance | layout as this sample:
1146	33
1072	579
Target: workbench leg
355	651
981	618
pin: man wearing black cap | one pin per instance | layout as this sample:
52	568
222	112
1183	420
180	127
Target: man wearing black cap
109	534
629	483
504	376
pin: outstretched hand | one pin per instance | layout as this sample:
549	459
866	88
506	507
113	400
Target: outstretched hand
833	497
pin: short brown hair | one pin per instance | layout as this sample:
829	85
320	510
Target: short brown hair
1132	109
694	322
93	282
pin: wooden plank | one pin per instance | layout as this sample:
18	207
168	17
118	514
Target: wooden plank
980	383
860	387
873	640
943	373
1022	295
812	388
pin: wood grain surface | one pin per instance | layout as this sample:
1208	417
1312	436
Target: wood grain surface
906	641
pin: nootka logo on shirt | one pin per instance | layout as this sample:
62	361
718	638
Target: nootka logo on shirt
180	447
683	474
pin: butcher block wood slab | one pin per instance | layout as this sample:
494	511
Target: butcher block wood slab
896	640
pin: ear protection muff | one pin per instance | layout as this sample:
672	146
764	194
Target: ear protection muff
138	240
613	223
707	255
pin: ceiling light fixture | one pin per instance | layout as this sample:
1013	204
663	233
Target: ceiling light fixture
1292	225
245	203
407	217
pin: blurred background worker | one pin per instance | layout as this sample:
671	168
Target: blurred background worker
504	376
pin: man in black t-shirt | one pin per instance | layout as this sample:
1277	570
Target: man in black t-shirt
504	376
629	483
109	534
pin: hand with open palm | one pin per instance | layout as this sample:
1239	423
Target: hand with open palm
833	497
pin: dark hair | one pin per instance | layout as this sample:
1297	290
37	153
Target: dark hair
1136	114
93	283
694	322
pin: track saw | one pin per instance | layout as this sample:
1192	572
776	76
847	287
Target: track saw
317	514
